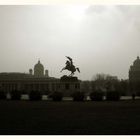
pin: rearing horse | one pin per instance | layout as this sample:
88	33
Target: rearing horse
70	67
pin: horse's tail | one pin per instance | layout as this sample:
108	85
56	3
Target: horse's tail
78	70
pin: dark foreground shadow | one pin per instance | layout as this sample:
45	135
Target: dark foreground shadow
70	118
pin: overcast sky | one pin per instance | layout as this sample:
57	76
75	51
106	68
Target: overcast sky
100	39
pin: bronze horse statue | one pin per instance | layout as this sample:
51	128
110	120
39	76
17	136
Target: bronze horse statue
70	67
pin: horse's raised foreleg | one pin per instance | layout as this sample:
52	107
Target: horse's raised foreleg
62	69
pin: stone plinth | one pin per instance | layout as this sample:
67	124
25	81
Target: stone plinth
66	78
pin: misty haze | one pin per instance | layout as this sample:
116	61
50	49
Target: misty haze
101	39
69	69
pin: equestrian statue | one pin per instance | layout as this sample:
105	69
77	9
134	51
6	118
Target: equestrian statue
70	67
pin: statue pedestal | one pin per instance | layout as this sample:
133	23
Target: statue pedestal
66	78
69	85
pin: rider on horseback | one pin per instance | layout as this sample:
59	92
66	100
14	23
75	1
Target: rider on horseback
70	66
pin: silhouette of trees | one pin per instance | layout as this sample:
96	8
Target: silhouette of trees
113	95
15	95
101	85
135	87
97	95
78	96
123	87
35	95
104	82
99	82
86	86
57	96
2	94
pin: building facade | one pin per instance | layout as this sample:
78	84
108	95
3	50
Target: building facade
36	80
134	76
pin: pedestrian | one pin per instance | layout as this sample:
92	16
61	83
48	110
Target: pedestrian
133	96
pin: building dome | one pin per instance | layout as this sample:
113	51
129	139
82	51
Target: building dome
134	71
39	69
137	62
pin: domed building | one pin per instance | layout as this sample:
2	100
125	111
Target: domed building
134	72
39	69
36	80
134	75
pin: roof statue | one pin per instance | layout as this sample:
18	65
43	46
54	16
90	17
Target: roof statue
70	67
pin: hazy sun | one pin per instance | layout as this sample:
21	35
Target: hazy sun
77	12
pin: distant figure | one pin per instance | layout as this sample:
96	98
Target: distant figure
133	96
69	66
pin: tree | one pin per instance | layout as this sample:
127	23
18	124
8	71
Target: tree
104	82
86	86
